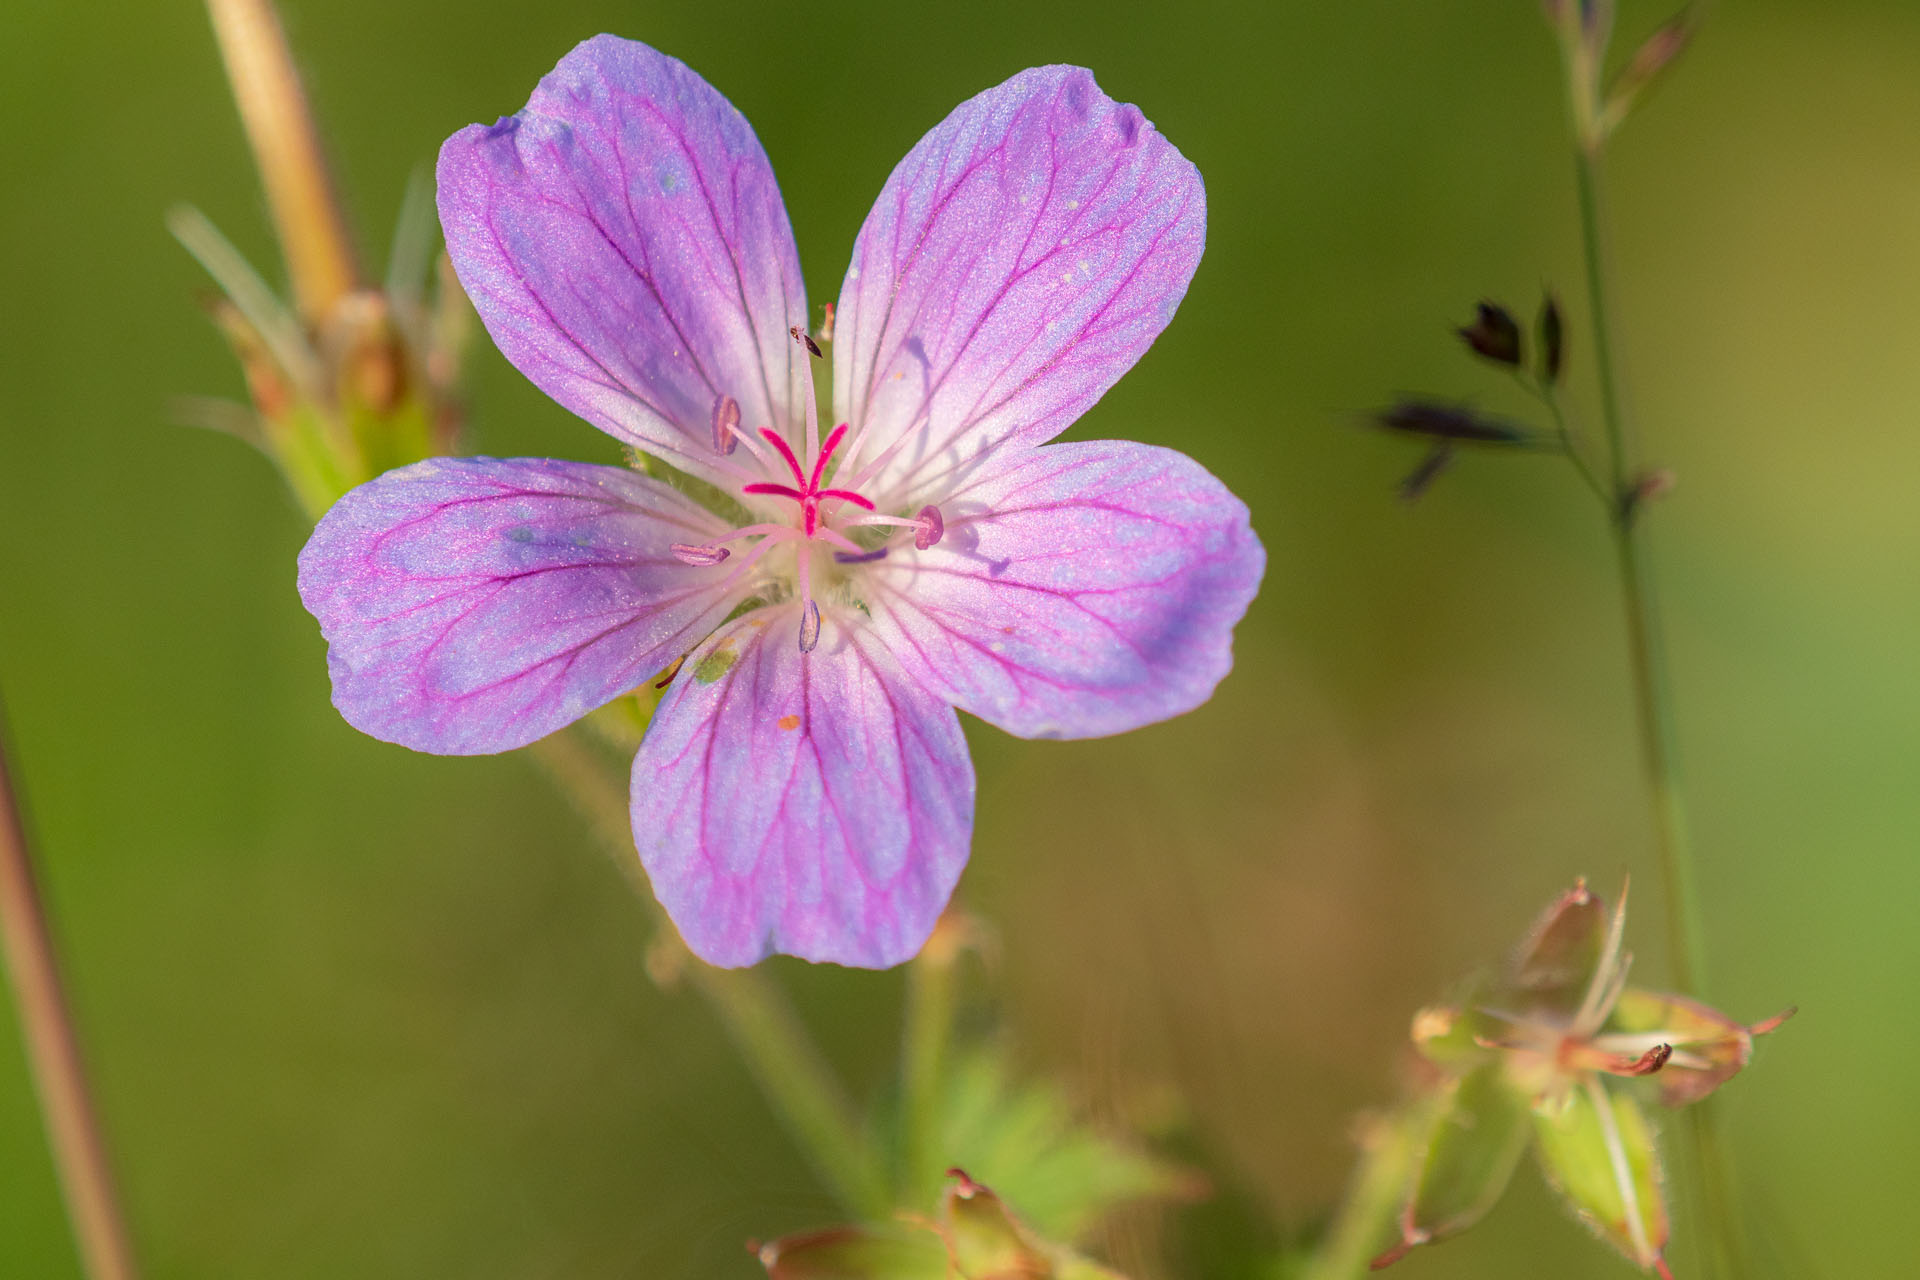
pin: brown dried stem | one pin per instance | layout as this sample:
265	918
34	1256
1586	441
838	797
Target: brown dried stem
53	1054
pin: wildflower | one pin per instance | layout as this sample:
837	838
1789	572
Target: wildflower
803	786
1527	1061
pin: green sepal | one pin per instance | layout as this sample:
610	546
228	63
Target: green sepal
1599	1152
1562	951
1478	1136
858	1253
986	1241
1712	1047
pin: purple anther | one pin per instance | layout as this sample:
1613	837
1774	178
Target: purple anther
809	627
805	339
726	417
689	553
932	526
865	557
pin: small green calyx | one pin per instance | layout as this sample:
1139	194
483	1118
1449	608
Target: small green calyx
1537	1056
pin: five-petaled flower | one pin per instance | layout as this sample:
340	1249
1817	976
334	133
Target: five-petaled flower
803	786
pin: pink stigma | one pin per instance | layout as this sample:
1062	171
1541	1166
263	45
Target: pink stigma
803	483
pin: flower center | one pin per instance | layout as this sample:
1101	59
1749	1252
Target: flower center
819	506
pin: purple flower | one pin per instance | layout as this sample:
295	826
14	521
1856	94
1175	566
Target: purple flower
803	786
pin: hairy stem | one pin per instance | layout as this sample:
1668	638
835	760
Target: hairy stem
53	1053
1364	1224
1653	700
286	147
791	1073
931	998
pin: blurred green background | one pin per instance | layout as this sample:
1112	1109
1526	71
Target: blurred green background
354	1011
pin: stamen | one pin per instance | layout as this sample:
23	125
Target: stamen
801	336
932	527
843	542
688	553
726	423
864	557
809	627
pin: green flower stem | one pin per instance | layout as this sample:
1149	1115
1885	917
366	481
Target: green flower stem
795	1079
1364	1224
1654	704
53	1053
923	1063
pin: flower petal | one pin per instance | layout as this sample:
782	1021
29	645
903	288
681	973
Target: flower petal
1087	589
1025	253
473	605
817	804
625	242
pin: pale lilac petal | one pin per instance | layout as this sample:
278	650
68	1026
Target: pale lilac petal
1020	259
473	605
624	240
815	804
1079	590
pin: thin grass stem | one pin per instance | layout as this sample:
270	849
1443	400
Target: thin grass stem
1653	702
53	1054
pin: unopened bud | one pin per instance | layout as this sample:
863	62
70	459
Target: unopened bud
1494	334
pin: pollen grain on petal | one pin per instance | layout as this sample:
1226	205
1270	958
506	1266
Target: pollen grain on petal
788	722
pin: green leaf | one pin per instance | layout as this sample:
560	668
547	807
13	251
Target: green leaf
1026	1139
1599	1152
858	1253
